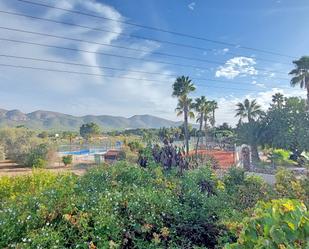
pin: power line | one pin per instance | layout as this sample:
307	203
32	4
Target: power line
101	53
160	29
137	37
128	57
116	69
112	76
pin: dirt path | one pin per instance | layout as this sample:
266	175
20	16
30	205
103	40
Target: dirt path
9	168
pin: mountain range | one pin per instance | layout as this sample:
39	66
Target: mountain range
48	120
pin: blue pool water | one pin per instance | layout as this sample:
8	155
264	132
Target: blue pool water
84	152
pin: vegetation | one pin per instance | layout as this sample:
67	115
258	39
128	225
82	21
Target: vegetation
127	206
280	223
67	160
301	75
182	87
89	130
160	194
24	147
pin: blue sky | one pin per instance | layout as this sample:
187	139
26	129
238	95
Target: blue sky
274	25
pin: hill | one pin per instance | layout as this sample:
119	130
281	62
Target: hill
47	120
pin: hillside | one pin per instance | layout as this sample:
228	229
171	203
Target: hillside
47	120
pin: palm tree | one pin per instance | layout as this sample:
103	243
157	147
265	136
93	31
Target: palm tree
213	107
301	75
278	100
200	106
184	107
250	110
182	87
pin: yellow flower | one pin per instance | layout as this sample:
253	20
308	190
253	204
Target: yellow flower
281	246
146	227
165	232
92	245
288	206
156	238
112	244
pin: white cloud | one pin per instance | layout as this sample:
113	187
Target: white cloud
237	66
191	6
78	94
220	51
262	85
227	106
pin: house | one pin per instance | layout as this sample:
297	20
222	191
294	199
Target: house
113	155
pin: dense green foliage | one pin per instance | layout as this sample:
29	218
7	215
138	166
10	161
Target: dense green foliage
285	125
279	224
127	206
124	205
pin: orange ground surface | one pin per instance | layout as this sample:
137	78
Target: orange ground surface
225	158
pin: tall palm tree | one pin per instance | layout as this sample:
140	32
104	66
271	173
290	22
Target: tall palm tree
200	105
207	117
278	100
248	109
182	87
213	107
301	75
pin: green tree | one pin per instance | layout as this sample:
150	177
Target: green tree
89	130
213	107
182	87
249	132
200	105
301	75
70	135
248	109
287	127
278	100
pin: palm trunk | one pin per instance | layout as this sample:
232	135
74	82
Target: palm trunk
307	107
205	127
255	153
199	133
186	129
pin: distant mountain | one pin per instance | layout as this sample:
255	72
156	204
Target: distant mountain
47	120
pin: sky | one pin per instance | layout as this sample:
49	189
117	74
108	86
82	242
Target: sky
246	51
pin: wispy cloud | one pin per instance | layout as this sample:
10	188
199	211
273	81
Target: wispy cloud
78	94
191	6
237	66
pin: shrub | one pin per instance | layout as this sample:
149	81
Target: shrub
135	146
281	157
37	157
245	191
67	160
289	186
280	223
119	206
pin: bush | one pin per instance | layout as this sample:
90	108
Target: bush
135	146
245	191
37	156
116	206
288	185
24	147
67	160
280	157
280	223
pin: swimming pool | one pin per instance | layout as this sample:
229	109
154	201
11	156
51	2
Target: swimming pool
84	152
